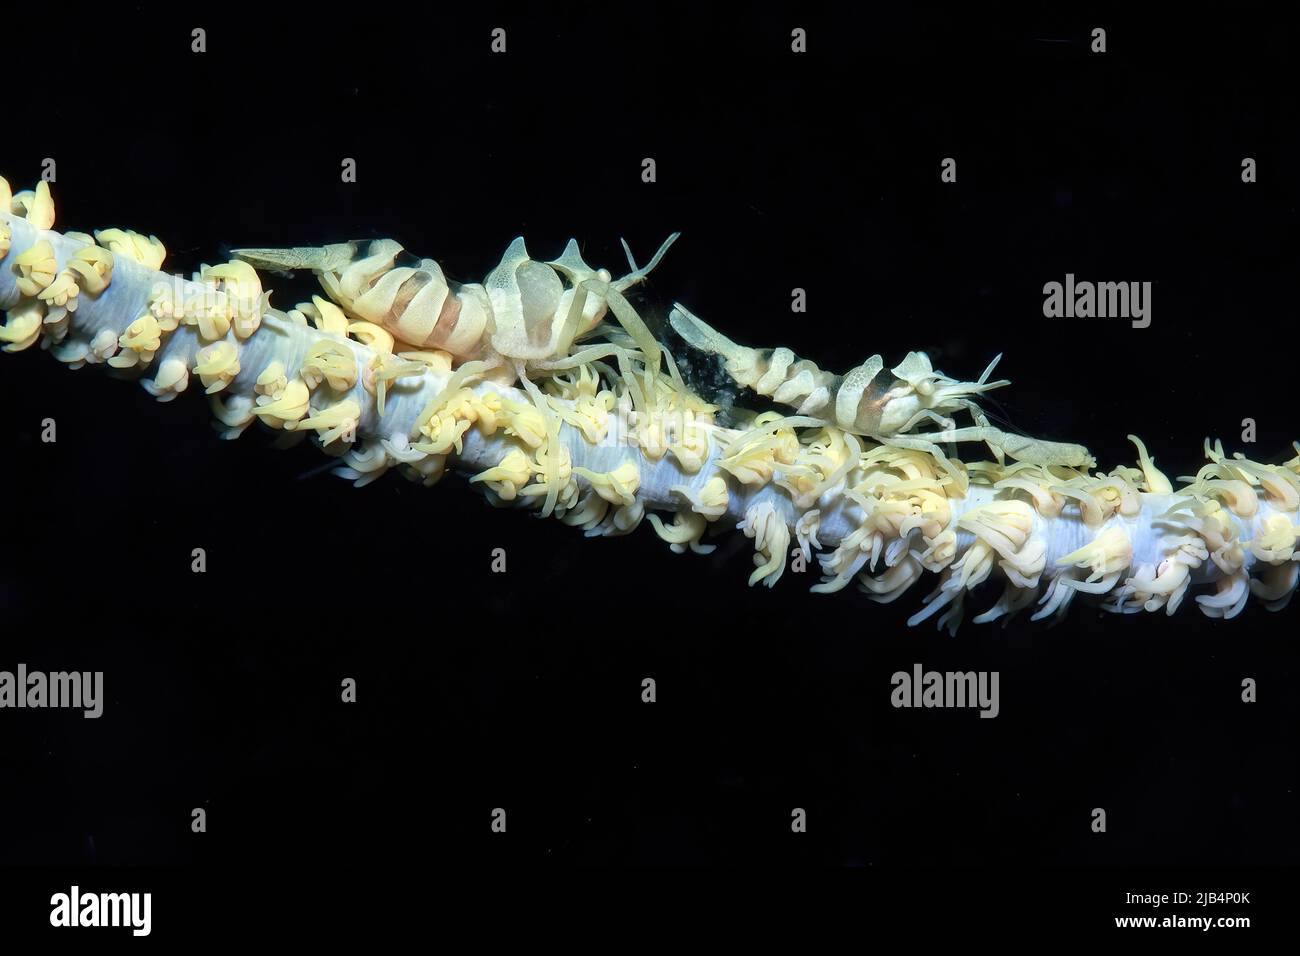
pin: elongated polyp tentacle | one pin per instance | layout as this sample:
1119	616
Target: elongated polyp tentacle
398	369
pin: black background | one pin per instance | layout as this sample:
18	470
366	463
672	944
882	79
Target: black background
522	691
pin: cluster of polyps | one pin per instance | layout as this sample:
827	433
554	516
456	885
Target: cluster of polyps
545	386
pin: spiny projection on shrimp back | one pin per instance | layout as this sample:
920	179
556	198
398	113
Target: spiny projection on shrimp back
545	387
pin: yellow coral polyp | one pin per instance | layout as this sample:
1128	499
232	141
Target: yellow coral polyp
691	449
40	213
162	306
1275	543
145	250
272	380
753	457
590	409
525	422
766	526
242	289
93	268
22	326
172	378
36	268
384	372
1109	553
618	487
443	433
217	365
686	531
709	500
488	408
138	343
339	420
555	482
331	362
509	476
62	292
285	407
446	419
207	310
1281	487
821	464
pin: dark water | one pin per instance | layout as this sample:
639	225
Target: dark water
782	171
